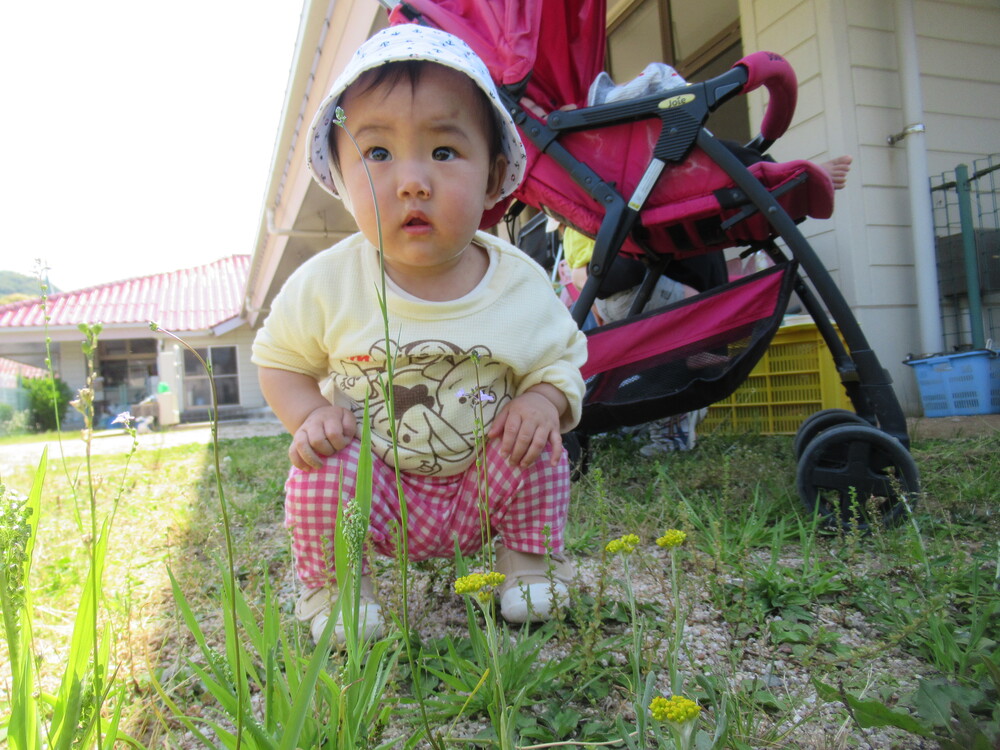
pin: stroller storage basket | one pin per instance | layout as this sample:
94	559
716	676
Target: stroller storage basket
683	356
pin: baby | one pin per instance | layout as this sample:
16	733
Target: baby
486	360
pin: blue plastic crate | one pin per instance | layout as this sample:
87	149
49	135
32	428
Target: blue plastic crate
954	385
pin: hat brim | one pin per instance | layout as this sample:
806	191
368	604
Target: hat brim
413	42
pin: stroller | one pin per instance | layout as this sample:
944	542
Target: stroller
648	181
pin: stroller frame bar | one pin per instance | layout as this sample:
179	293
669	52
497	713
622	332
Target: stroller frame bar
842	465
866	382
618	218
707	96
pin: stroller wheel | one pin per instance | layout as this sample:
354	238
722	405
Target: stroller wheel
816	423
855	477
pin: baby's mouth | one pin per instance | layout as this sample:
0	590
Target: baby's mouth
417	224
416	221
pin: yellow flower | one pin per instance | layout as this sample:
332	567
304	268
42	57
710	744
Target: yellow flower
480	584
676	708
624	544
469	584
494	579
672	538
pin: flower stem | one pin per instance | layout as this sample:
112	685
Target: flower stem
228	533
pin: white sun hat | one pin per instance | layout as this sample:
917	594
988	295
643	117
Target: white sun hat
412	42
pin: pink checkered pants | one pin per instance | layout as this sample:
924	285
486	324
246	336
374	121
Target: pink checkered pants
440	510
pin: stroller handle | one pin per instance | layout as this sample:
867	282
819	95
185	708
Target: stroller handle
773	71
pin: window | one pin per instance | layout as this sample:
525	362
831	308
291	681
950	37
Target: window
700	32
635	40
700	40
127	369
198	388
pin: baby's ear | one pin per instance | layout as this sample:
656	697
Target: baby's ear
495	182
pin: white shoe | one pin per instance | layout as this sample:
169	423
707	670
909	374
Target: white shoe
315	605
530	592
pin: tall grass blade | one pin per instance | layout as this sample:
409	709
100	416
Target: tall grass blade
179	714
69	701
220	676
193	626
305	693
24	727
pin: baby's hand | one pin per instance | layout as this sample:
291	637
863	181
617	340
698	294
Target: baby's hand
326	430
527	424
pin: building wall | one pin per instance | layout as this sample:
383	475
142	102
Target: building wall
70	365
29	352
67	359
844	53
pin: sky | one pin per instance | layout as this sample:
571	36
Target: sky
135	136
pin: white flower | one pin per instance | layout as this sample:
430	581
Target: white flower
124	418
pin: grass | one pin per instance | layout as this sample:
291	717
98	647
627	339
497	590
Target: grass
789	636
38	437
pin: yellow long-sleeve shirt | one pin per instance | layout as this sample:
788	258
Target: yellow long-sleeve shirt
507	335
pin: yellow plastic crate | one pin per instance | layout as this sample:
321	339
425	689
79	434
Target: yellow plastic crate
796	377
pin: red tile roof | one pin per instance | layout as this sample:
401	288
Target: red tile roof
9	370
192	299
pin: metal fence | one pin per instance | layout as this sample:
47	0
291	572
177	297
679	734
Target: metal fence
967	239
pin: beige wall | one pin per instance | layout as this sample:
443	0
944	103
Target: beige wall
844	52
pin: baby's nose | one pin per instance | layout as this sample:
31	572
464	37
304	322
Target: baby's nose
413	181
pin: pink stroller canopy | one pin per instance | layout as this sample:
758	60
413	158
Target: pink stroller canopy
508	34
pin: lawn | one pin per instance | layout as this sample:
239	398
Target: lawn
786	635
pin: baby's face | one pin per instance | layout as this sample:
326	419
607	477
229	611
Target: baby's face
426	149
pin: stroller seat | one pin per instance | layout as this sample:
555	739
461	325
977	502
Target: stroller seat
694	208
682	210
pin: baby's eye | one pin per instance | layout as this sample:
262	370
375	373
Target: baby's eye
377	153
443	153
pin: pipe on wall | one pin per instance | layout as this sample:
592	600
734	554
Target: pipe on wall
921	209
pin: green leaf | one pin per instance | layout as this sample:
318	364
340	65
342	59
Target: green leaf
934	698
992	670
785	631
871	713
562	720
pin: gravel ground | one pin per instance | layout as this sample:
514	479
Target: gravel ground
712	644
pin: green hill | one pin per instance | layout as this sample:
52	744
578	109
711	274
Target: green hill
13	283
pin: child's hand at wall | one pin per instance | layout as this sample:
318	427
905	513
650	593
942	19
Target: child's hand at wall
530	422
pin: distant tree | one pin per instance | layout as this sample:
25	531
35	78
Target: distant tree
12	282
8	299
46	397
